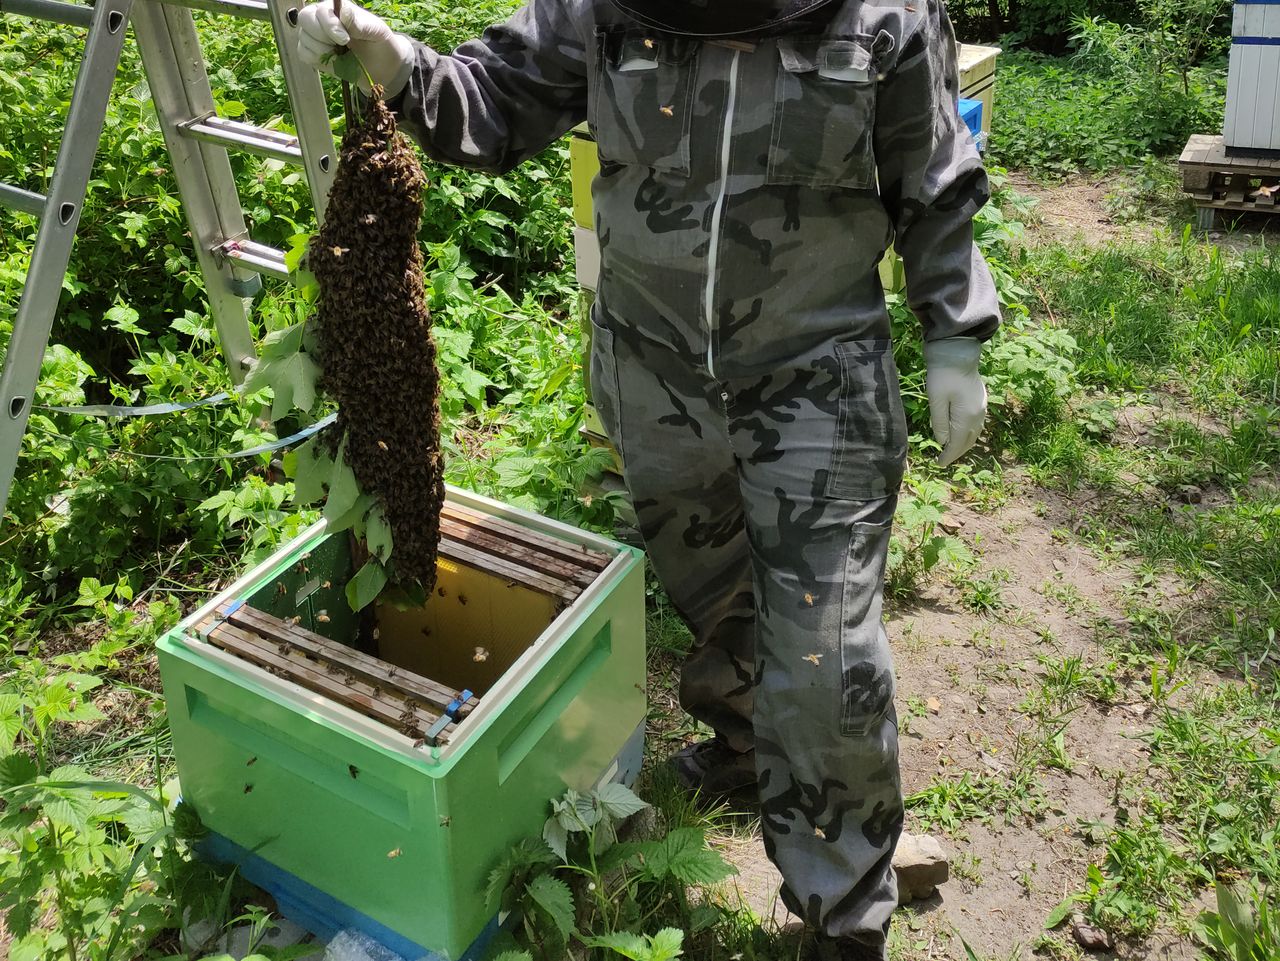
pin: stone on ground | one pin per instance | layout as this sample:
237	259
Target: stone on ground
921	865
920	862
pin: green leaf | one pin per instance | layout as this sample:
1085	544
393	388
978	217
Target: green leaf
378	534
1236	913
124	319
352	517
625	943
187	825
683	854
666	944
70	810
554	897
557	838
514	956
364	588
587	810
1060	913
17	769
311	468
297	252
344	490
454	345
1226	810
292	953
516	472
292	380
347	68
619	801
91	592
703	918
10	721
472	383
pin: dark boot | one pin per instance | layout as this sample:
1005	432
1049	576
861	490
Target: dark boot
845	949
716	772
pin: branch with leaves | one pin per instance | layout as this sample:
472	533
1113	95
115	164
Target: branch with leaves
621	886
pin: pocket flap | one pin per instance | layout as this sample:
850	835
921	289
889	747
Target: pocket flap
638	53
848	60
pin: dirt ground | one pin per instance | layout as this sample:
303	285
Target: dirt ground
1073	210
1092	209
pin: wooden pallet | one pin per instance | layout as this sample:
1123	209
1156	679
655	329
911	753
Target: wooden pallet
416	706
1219	181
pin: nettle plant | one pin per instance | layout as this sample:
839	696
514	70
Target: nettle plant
580	890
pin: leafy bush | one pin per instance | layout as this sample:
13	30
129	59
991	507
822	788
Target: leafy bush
1127	92
1044	23
580	883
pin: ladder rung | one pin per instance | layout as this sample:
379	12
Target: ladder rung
249	9
255	256
15	198
56	11
232	133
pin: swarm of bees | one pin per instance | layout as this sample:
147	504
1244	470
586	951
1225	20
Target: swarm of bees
373	337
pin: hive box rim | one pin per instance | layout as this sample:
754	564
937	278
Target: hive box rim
185	642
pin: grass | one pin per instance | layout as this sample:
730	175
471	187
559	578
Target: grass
1186	339
1182	340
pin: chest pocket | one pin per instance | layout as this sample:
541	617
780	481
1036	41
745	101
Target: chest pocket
642	110
824	114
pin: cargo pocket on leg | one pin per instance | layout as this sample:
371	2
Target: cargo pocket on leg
870	450
604	383
866	664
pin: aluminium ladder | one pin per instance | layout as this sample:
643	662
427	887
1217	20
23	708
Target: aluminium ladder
198	142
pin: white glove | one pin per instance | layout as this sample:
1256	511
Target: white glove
387	56
957	395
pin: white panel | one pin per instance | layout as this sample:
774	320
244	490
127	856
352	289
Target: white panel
1242	106
1255	59
1253	17
1231	129
586	247
1269	126
1237	20
1270	21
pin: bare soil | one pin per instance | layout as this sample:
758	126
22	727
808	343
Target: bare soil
1087	208
1074	210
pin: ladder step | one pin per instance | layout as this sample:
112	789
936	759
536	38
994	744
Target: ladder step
15	198
255	256
257	140
248	9
55	11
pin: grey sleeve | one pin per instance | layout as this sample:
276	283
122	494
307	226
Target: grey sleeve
932	183
496	101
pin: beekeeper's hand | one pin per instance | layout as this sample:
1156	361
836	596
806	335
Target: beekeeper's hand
386	56
957	395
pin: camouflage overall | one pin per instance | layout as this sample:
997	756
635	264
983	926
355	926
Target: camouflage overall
742	358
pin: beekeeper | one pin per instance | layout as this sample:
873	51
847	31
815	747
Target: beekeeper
757	158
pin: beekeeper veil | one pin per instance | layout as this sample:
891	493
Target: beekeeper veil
720	18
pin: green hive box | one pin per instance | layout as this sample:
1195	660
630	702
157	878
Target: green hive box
351	822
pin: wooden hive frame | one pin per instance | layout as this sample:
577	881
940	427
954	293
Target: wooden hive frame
409	703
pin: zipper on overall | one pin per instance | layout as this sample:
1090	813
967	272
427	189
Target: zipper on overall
717	214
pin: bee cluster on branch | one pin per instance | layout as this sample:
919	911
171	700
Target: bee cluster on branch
373	338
